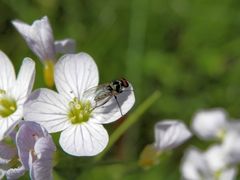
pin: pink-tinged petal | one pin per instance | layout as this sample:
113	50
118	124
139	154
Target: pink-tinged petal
44	147
39	37
170	134
75	73
41	166
24	81
65	46
47	108
26	139
86	139
7	73
15	173
40	169
208	124
110	111
7	151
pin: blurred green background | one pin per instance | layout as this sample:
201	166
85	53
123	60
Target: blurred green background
187	49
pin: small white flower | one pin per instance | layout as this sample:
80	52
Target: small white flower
209	165
40	40
210	124
231	147
13	92
170	134
194	166
70	112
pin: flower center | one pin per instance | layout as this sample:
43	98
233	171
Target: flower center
7	104
79	111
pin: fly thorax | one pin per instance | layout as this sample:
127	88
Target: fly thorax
79	111
8	105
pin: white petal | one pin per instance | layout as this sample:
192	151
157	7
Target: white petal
231	147
8	124
170	134
24	81
39	37
2	173
47	108
65	46
208	124
110	111
229	174
86	139
7	73
215	157
194	166
75	73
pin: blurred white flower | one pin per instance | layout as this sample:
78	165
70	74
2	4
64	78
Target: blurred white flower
13	92
71	112
210	124
210	165
40	40
170	134
231	147
194	166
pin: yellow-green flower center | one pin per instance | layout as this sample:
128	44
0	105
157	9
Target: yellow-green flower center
79	111
7	104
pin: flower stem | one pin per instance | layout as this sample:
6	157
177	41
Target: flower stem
134	117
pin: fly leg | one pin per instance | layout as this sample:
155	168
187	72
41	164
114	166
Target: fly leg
118	105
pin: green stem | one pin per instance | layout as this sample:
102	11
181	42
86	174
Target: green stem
134	117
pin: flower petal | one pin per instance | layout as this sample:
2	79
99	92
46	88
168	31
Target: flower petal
110	111
15	173
65	46
7	73
39	37
7	151
170	134
208	124
194	166
215	157
229	174
2	173
24	81
41	168
86	139
75	73
9	123
26	139
47	108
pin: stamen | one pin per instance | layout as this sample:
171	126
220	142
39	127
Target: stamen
7	104
79	112
48	72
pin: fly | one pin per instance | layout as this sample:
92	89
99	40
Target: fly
103	93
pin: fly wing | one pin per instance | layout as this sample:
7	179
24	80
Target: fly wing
97	95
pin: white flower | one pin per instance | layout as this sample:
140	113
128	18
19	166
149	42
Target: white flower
40	40
210	124
13	92
170	134
209	165
72	113
194	166
231	147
